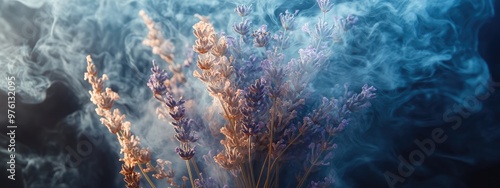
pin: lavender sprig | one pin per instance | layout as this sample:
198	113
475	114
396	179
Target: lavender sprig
243	10
261	36
157	80
185	152
176	110
362	100
324	5
242	28
253	100
287	20
205	183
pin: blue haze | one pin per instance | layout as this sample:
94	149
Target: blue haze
427	59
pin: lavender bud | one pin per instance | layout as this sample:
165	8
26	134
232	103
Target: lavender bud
242	28
185	153
243	10
261	36
350	21
324	5
287	20
157	80
177	113
362	100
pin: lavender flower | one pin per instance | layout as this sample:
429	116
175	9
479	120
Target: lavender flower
287	20
171	102
176	110
177	113
282	40
349	21
161	172
326	183
242	28
261	36
324	5
317	153
362	100
312	57
183	132
185	152
205	183
331	130
322	31
157	80
255	94
253	98
277	114
249	127
278	148
243	10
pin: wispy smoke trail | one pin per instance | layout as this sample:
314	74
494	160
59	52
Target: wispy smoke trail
422	56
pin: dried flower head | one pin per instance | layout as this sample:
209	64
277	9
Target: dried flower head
131	178
205	35
164	48
144	156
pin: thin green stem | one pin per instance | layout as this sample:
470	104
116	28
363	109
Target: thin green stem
281	44
190	174
303	179
241	36
321	22
244	177
146	176
195	166
252	181
262	170
283	151
119	135
271	135
227	115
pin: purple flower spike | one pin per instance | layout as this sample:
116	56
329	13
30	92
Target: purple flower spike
242	28
205	183
185	152
321	31
254	95
362	100
350	21
261	36
249	127
311	56
183	132
287	20
175	108
243	10
157	80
